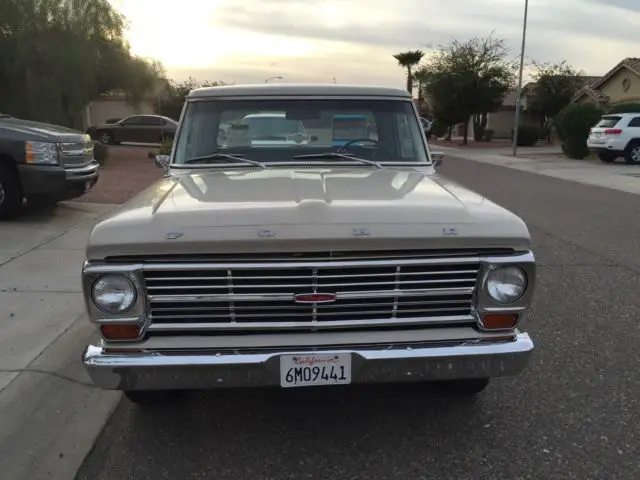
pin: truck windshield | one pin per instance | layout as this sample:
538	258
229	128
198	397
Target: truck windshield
280	129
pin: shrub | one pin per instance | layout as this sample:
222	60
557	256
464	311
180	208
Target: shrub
527	135
100	152
573	124
488	135
629	107
165	148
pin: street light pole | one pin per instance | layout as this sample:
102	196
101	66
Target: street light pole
516	121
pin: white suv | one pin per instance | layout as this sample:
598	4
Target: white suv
616	135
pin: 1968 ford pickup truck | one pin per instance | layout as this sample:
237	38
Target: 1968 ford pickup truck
304	263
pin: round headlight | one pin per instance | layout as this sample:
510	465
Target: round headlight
506	284
113	294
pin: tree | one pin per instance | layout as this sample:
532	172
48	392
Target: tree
171	105
58	55
408	60
555	85
475	74
421	76
448	108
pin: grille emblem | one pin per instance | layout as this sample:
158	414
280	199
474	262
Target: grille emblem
315	298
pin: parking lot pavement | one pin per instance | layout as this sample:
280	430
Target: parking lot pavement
49	415
574	414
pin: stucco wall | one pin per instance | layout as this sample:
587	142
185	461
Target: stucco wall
614	89
501	122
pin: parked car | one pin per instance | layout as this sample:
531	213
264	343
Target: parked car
135	129
299	265
44	163
426	126
616	135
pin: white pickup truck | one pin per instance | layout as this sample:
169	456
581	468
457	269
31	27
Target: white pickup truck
306	264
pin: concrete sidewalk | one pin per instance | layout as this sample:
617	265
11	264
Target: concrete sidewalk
548	161
49	412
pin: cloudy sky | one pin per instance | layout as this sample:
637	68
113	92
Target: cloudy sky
247	41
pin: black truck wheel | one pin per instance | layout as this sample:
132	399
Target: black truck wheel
10	192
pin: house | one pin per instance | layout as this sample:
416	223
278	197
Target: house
502	121
116	105
620	85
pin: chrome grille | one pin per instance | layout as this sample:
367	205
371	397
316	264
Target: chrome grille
76	154
261	295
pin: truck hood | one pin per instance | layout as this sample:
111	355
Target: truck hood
36	131
304	209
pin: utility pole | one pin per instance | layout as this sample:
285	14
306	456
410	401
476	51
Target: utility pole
516	121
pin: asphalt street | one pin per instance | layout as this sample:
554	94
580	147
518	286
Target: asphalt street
574	414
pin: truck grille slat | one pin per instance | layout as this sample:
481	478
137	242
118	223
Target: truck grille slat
367	294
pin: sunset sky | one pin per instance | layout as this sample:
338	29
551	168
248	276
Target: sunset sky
246	41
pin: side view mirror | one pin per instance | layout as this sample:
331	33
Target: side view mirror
437	158
162	161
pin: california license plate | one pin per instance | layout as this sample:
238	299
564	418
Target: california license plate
315	370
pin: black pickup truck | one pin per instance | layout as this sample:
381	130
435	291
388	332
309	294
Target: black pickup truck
42	162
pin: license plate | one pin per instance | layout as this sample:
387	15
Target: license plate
315	370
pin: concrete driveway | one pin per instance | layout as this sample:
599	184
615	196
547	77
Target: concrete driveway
49	414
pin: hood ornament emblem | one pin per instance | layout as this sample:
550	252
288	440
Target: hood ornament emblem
173	235
266	233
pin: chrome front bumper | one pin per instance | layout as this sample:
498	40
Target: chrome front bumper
190	371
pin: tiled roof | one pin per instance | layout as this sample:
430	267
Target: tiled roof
632	63
593	88
509	99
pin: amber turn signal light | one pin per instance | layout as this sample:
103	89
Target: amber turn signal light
120	331
499	321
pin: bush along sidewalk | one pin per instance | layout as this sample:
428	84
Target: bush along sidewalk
573	124
528	135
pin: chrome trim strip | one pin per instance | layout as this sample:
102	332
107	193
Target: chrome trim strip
323	277
396	288
222	308
150	267
232	305
318	325
314	314
265	297
315	284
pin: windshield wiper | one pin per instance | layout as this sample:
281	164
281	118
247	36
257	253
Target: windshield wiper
238	157
347	156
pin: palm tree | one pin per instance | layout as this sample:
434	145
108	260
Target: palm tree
408	60
421	76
